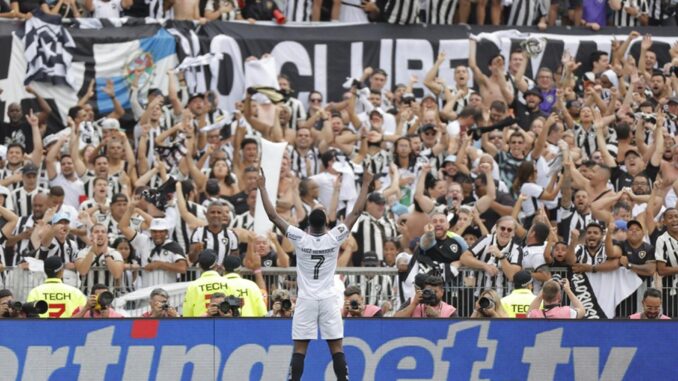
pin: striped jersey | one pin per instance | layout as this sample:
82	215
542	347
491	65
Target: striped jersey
481	250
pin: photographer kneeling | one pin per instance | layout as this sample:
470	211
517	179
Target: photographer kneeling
160	307
354	305
282	304
489	306
7	309
427	302
98	304
223	306
551	295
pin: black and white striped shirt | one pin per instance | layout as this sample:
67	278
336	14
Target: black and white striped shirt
481	250
666	250
243	221
6	172
570	219
23	200
298	10
297	112
113	184
441	12
168	252
305	165
23	248
585	257
370	233
67	250
223	243
401	12
658	11
586	140
622	18
98	272
182	234
527	12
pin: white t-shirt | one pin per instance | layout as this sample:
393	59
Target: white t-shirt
107	9
533	193
317	260
72	189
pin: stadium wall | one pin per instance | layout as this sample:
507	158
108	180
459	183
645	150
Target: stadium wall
376	349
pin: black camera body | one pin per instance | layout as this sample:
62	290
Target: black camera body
485	303
165	307
104	300
231	304
354	305
31	309
286	304
428	297
159	197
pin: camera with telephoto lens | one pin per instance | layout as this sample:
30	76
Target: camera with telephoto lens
31	309
485	303
231	304
286	304
428	296
104	300
354	305
160	196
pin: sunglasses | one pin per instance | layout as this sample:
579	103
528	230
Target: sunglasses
505	229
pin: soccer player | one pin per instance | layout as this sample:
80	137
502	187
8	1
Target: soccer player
62	299
317	253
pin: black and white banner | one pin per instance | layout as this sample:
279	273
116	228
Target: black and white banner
601	293
314	57
46	47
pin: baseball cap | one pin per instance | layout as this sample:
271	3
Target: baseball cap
52	265
633	222
450	159
4	191
521	279
426	127
119	197
370	259
159	224
621	224
673	100
377	112
110	124
29	168
231	262
196	95
632	151
58	217
207	259
397	209
535	93
377	198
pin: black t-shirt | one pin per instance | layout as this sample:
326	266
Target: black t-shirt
4	8
637	256
490	217
621	179
270	260
26	6
447	250
239	202
17	133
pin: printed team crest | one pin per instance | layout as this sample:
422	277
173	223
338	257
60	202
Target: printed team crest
224	240
454	248
141	66
642	254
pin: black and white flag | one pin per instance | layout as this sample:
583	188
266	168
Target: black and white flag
46	44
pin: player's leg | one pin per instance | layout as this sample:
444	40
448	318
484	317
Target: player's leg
338	359
304	329
332	330
298	357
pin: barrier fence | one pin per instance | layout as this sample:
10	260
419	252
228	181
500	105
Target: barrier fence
376	349
379	286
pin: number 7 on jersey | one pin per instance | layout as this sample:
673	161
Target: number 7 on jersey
316	269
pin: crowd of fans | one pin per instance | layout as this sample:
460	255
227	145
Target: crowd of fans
592	14
479	189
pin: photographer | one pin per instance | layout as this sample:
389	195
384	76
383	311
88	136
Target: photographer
282	304
219	308
427	302
7	305
160	308
354	305
252	297
551	296
98	305
489	306
200	289
63	300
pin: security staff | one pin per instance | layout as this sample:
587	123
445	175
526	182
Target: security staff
61	298
518	302
252	296
199	292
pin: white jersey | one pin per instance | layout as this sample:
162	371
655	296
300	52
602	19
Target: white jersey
317	260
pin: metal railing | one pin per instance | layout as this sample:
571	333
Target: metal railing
379	286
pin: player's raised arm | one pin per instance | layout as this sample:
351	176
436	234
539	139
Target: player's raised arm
268	206
360	203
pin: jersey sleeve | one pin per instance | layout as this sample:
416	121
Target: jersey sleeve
233	240
294	234
340	233
195	237
659	255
